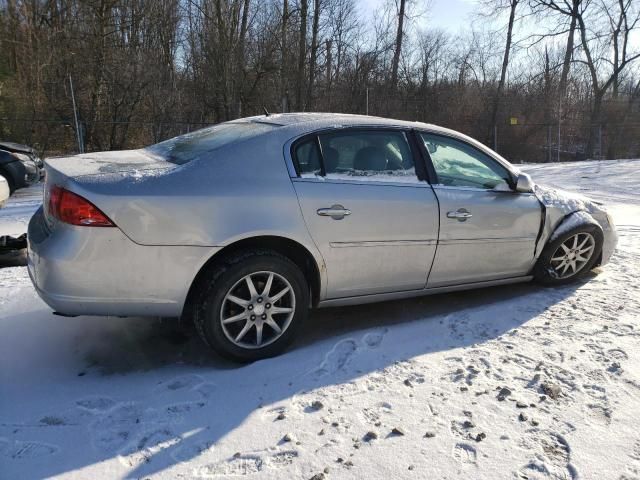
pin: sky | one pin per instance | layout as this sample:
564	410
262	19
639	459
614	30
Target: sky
451	15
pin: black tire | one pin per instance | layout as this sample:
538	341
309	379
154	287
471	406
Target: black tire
224	277
7	177
543	271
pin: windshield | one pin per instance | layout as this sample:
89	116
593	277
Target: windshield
185	148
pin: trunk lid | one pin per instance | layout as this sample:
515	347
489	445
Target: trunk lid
112	181
128	162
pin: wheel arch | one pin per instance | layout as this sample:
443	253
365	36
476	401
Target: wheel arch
578	218
570	221
293	250
566	224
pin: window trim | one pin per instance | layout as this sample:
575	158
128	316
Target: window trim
432	171
294	167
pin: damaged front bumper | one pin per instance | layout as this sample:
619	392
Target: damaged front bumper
566	209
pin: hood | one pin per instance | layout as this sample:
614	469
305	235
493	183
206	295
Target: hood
16	148
566	202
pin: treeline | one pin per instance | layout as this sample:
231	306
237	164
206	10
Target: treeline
538	79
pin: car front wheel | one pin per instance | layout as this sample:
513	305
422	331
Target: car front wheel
570	256
252	306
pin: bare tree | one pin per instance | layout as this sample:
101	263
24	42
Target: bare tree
302	52
622	20
398	44
283	55
314	52
511	5
144	71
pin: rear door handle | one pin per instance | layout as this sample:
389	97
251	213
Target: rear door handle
461	214
337	212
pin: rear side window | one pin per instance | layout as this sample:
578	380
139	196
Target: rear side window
364	155
307	158
183	149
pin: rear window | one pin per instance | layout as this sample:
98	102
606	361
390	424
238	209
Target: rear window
185	148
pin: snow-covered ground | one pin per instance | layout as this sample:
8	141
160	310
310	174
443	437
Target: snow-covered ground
507	382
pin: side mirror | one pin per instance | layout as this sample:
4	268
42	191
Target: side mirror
524	183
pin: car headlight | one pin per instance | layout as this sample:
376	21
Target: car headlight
23	157
611	225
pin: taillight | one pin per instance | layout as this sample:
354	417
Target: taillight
70	208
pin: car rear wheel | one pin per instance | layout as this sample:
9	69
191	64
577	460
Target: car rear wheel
570	256
252	306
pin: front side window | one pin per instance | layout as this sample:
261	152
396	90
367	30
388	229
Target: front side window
366	155
458	164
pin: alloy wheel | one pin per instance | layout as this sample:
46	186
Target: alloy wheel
257	309
572	255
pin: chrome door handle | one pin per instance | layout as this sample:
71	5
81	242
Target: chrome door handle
337	212
461	214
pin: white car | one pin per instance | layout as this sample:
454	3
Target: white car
4	191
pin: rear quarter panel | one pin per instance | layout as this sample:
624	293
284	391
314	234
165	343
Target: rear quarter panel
236	192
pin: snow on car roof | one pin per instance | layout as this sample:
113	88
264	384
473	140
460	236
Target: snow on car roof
286	119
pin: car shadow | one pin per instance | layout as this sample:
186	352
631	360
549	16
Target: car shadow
337	346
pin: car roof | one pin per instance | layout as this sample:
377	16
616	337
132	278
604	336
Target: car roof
312	121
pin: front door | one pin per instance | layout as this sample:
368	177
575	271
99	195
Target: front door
487	230
373	220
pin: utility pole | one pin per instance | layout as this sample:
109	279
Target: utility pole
75	117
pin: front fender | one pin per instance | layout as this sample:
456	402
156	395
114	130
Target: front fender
564	211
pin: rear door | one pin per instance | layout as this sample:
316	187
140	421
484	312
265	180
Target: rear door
372	215
487	230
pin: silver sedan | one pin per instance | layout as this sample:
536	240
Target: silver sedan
243	226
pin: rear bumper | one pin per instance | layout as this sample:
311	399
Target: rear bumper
100	271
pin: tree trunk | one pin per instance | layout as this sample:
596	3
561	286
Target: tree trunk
102	19
302	53
568	53
548	88
314	52
240	60
505	65
595	125
223	57
283	56
398	50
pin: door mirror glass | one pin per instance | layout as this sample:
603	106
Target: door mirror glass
525	184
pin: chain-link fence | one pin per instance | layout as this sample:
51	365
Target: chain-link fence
517	141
